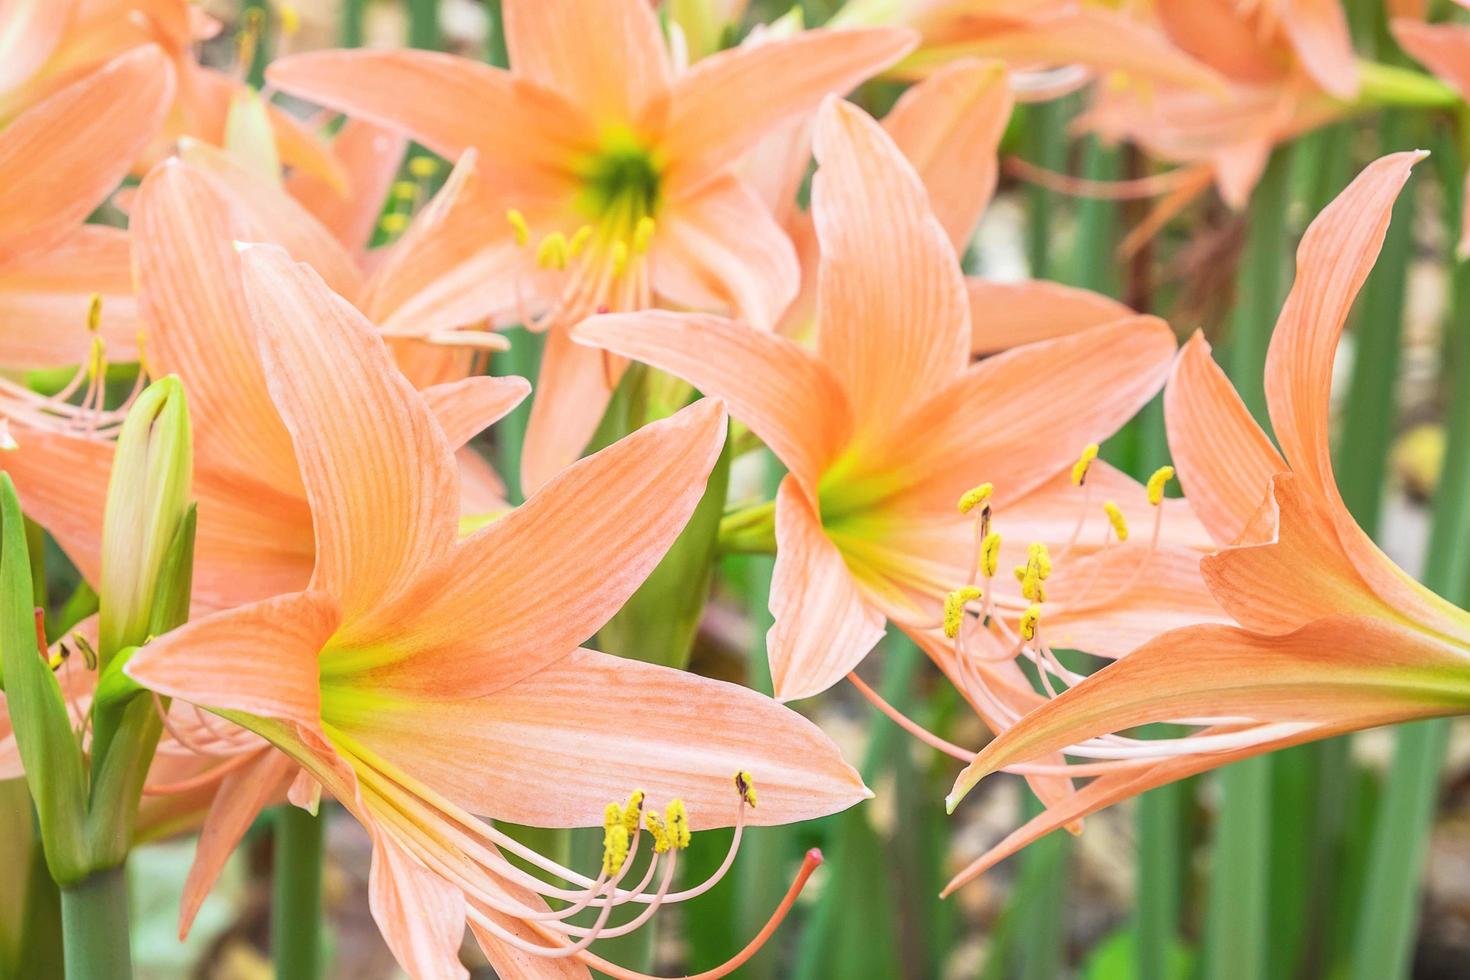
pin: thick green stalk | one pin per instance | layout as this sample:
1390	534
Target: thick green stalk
1389	914
523	359
423	25
296	894
495	51
353	12
94	917
1160	846
1236	924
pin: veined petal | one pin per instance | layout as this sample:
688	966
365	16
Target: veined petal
949	126
63	481
524	591
1339	669
1017	418
1318	32
421	915
605	55
787	397
573	388
720	248
1442	48
45	297
728	101
63	156
526	135
823	626
378	470
467	407
191	296
1225	461
259	659
1333	260
1104	791
891	305
481	490
29	33
253	540
281	219
623	725
370	155
457	264
241	796
1008	314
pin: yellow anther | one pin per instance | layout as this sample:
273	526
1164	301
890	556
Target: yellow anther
1079	468
614	839
579	240
516	219
745	786
633	812
97	359
393	223
290	18
1038	554
954	608
642	235
552	252
1030	621
94	313
678	822
658	831
1116	518
1161	476
1036	571
975	496
989	554
405	190
619	257
424	167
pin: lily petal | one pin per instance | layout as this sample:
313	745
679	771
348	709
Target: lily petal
1332	670
725	103
787	397
719	248
45	297
1318	32
525	133
573	388
262	658
1225	461
370	155
624	725
553	570
949	126
467	407
606	55
893	313
823	627
378	470
1008	314
63	156
420	914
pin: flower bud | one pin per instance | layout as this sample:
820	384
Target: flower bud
147	501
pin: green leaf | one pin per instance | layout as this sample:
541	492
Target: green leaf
38	710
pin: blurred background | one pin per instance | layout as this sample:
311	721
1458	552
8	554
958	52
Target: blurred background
1328	860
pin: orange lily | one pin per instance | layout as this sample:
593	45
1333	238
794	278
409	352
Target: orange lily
1333	637
608	179
1290	67
48	44
59	159
887	423
1445	50
421	678
254	537
1055	46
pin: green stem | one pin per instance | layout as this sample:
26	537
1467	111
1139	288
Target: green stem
1261	285
423	25
1159	848
94	923
296	902
1236	921
750	530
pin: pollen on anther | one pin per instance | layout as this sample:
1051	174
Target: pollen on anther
579	240
552	252
1116	518
94	313
745	786
1084	462
614	839
517	222
974	497
954	608
1030	621
1156	482
677	820
990	554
